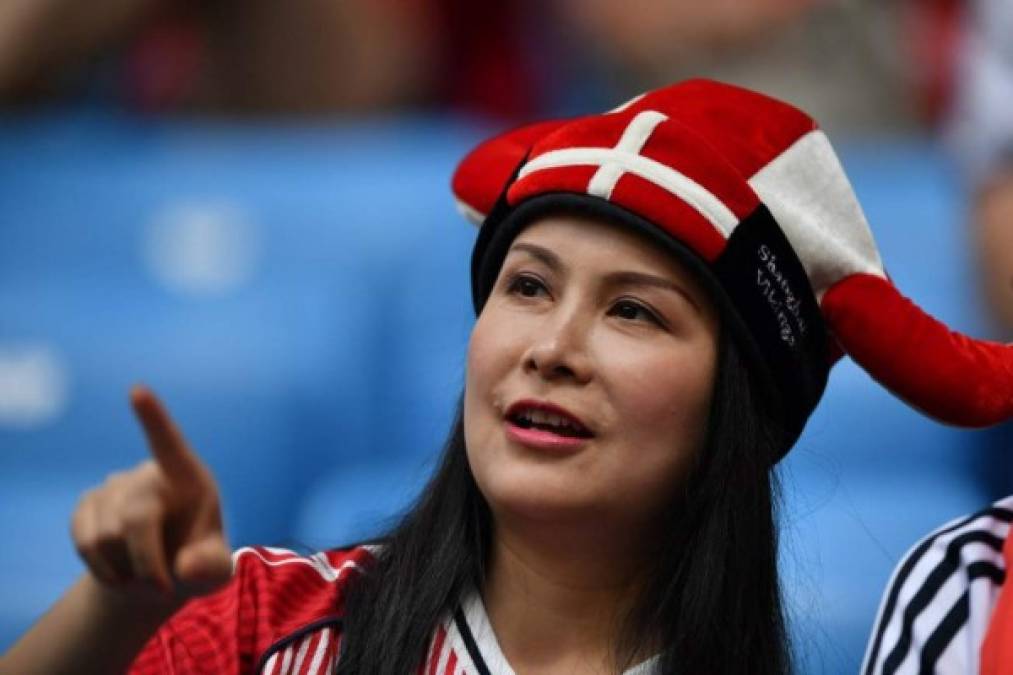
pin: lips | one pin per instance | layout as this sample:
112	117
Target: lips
533	413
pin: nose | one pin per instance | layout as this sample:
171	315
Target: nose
558	349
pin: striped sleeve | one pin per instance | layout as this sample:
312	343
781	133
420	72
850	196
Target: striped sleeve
278	605
936	609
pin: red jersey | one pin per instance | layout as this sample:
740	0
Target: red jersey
281	614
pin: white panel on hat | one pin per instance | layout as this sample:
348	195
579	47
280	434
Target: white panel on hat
471	214
809	195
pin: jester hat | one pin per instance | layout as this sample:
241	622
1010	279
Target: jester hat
747	191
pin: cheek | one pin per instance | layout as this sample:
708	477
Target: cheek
486	370
665	398
485	357
488	363
662	423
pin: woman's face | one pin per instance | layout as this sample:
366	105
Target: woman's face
595	319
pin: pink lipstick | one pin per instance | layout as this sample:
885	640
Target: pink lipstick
545	426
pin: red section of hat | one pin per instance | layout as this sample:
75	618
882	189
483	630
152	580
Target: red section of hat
674	215
482	175
673	145
634	194
560	179
748	129
743	128
670	143
947	375
595	131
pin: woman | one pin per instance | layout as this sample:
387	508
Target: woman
648	344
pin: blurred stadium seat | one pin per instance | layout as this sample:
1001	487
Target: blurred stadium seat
246	272
299	296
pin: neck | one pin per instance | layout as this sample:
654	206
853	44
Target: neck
556	601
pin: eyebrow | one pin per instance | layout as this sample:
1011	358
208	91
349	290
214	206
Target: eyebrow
628	277
543	254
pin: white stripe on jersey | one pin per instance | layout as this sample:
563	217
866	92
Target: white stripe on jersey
286	661
321	651
314	645
318	561
304	645
935	610
455	643
490	655
478	622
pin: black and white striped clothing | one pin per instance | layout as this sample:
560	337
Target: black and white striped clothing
937	607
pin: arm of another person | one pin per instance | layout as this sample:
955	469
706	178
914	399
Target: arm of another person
151	538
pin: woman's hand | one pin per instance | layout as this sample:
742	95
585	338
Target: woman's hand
151	538
155	531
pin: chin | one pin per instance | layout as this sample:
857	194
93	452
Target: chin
535	496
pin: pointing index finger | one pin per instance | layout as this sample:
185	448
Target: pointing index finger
167	444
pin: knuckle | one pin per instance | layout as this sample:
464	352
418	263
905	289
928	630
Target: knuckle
78	527
86	548
87	556
115	478
140	516
79	515
82	522
146	483
93	555
124	479
85	502
109	533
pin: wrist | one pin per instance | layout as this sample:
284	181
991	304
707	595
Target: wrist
91	624
144	606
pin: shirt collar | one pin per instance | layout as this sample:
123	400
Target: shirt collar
472	627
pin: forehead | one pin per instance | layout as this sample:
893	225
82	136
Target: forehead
580	240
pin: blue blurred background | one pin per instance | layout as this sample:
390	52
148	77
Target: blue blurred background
290	275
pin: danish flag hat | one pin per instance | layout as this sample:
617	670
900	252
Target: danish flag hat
747	190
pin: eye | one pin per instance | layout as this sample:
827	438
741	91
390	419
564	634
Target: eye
627	309
525	285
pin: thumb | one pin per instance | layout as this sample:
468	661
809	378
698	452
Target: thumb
203	565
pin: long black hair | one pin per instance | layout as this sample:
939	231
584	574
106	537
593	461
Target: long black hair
712	599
